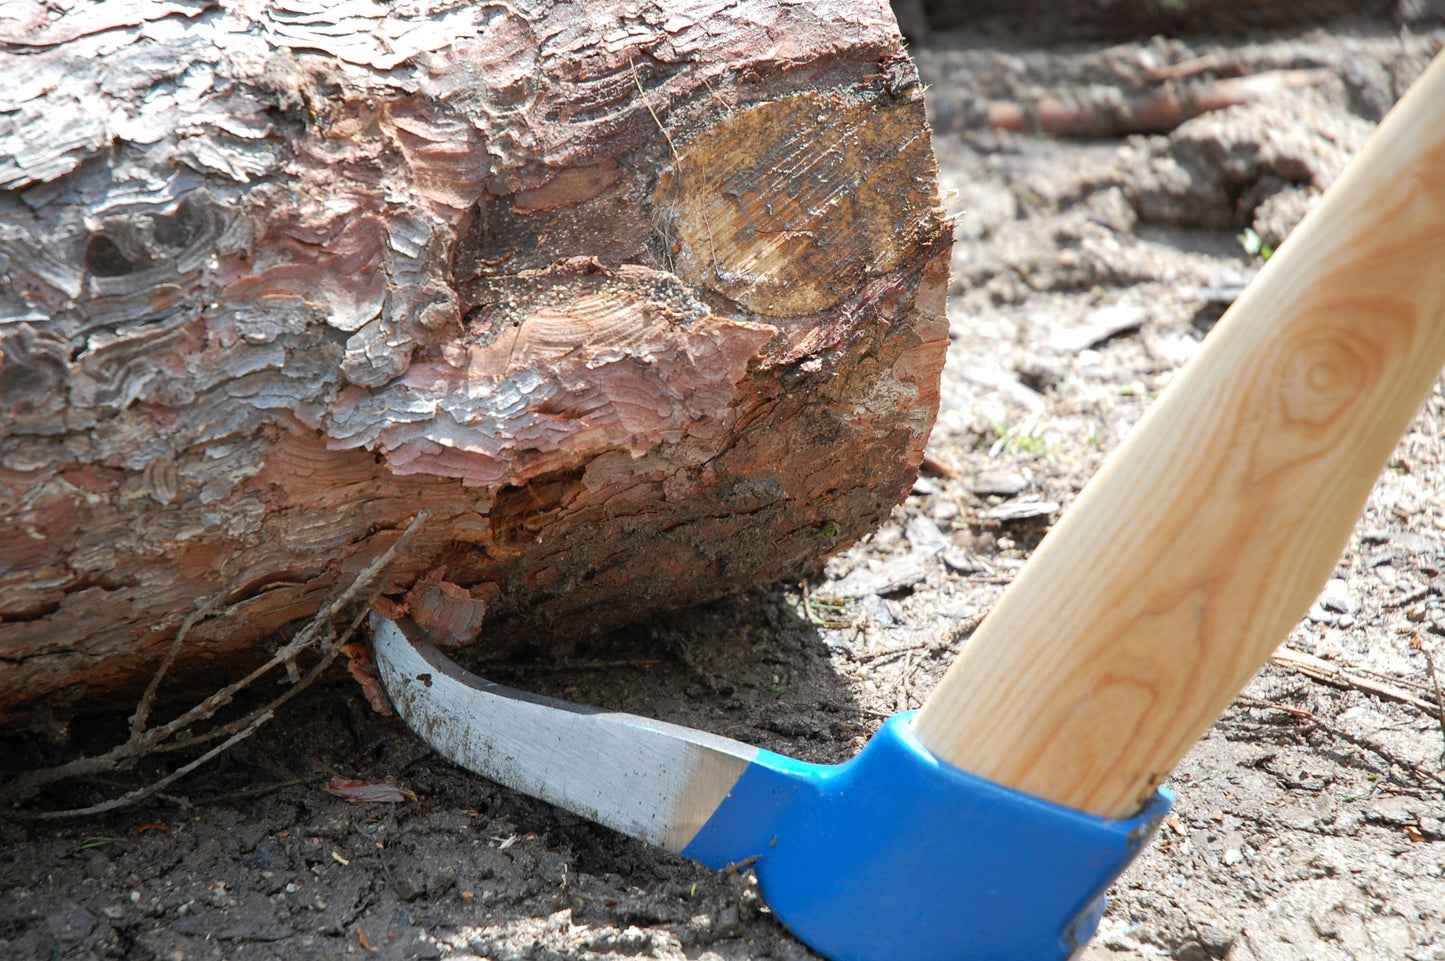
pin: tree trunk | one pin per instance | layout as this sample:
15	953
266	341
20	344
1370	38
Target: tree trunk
643	302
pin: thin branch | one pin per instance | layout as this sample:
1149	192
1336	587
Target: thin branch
1347	677
142	741
141	793
303	639
147	700
1439	698
1314	720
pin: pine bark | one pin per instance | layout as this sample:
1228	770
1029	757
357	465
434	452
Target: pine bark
642	301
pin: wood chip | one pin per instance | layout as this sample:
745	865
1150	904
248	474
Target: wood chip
1020	510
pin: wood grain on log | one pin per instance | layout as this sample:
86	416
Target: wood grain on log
634	298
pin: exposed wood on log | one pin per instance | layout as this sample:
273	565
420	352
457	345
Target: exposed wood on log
634	298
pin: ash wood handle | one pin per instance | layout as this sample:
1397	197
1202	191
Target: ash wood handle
1205	537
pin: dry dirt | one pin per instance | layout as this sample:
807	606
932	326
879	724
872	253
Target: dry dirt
1310	821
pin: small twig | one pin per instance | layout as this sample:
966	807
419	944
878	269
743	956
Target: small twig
1336	675
1439	698
1410	598
936	465
141	793
143	741
642	95
893	651
1315	720
300	685
303	639
904	699
249	792
681	172
737	867
566	667
147	700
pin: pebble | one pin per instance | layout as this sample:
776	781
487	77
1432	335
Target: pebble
892	575
729	923
924	536
1336	597
958	561
923	487
1000	481
1098	326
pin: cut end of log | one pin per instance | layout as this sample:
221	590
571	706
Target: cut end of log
632	315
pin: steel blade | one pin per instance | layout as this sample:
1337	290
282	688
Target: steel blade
649	779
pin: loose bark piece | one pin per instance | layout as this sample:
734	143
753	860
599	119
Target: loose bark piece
633	298
1111	112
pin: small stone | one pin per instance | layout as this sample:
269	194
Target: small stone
1413	543
892	575
1392	810
877	610
924	536
958	561
1336	597
1233	856
701	927
1191	951
944	509
1097	327
729	923
1000	481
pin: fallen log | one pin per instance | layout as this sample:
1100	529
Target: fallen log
1035	22
642	303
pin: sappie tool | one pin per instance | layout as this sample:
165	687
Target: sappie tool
990	824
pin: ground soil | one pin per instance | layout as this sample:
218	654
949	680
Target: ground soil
1310	821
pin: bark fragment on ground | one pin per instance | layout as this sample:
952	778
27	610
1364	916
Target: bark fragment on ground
634	300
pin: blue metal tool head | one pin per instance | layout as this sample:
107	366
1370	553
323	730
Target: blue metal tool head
896	856
892	856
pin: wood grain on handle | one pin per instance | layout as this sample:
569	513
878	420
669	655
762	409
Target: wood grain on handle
1197	548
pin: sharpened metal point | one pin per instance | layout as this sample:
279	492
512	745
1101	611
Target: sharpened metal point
897	856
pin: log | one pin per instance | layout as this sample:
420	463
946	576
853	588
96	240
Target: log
1034	22
642	302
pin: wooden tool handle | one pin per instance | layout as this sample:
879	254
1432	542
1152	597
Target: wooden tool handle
1203	540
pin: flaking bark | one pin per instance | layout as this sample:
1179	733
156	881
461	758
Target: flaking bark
636	299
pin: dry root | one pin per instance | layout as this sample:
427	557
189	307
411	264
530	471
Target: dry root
145	740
